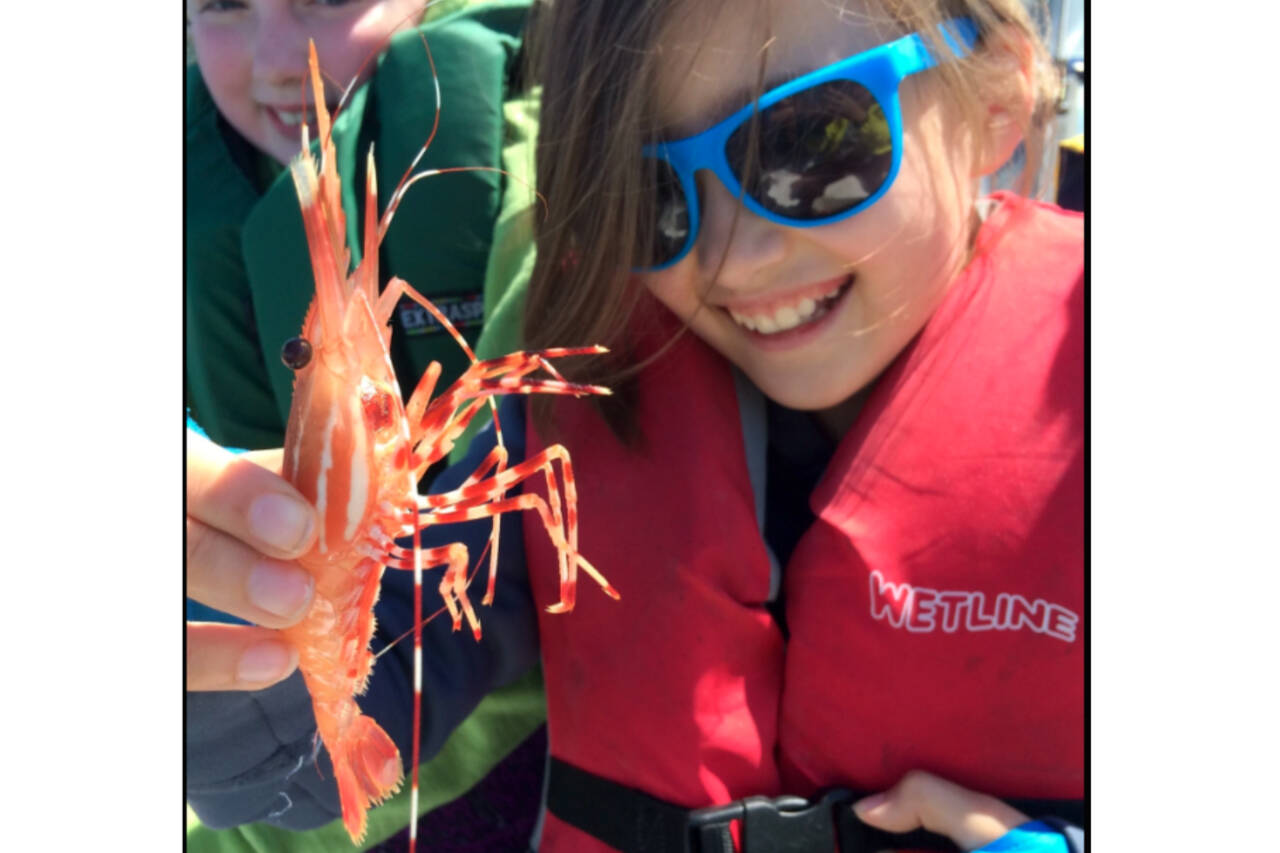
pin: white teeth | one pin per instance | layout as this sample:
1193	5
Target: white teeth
289	118
785	317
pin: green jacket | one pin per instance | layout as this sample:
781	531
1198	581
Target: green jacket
249	283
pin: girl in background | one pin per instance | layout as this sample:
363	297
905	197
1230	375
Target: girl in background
248	283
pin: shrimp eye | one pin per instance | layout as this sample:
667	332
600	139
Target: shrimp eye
296	353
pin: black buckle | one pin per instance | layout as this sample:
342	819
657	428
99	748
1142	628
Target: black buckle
779	825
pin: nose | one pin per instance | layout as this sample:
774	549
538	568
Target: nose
733	243
280	48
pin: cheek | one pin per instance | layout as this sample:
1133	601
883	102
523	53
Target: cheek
914	227
673	289
352	43
403	14
941	155
884	233
340	49
225	65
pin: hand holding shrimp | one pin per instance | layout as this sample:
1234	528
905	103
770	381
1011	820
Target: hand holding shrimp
245	528
440	244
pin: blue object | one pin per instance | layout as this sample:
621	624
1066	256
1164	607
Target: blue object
1031	837
195	427
879	70
197	612
198	430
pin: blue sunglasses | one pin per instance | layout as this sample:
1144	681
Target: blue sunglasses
828	145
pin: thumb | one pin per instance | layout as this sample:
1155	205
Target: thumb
889	811
249	502
922	800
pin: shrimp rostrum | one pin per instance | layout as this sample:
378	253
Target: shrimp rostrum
357	451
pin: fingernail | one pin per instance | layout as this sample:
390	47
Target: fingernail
265	662
280	521
278	589
867	804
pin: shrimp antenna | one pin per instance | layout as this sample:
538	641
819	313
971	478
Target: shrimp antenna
430	173
397	193
369	57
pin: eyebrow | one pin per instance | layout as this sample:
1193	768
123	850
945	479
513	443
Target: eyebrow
727	104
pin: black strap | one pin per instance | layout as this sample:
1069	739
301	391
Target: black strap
632	821
625	818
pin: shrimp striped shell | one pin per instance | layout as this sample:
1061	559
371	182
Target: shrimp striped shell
357	450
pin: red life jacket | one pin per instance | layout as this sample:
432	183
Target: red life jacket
934	607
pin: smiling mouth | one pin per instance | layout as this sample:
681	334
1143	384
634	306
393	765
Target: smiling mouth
289	117
291	120
786	316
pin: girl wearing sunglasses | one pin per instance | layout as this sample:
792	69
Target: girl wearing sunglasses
840	482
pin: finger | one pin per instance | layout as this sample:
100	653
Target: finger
236	657
227	574
922	800
241	497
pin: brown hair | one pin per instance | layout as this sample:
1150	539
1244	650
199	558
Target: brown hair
597	63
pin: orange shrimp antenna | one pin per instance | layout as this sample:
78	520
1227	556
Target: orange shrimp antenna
367	272
329	277
330	186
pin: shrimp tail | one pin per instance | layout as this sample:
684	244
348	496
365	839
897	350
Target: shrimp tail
367	767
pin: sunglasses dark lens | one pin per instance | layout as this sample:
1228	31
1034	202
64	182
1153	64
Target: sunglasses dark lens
820	152
668	218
